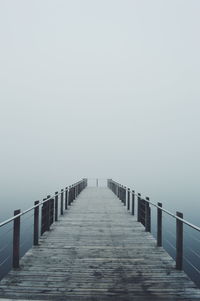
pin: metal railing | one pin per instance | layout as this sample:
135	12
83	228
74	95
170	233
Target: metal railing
183	260
42	220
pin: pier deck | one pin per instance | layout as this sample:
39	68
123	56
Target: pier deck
97	251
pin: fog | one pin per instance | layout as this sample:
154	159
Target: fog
100	89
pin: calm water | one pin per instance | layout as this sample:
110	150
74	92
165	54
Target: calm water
190	209
26	233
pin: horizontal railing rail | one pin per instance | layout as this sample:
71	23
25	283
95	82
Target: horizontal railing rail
35	206
42	219
144	216
164	210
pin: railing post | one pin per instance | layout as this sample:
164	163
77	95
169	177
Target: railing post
16	240
133	203
179	242
69	196
56	206
138	208
51	202
72	199
43	217
36	224
66	198
159	225
74	193
147	216
48	214
128	199
61	202
124	196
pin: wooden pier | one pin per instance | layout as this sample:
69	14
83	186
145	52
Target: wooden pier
97	251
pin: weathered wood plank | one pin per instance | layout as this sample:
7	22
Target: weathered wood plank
97	251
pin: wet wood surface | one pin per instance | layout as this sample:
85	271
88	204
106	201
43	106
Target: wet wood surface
97	251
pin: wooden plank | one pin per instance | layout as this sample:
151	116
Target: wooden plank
97	251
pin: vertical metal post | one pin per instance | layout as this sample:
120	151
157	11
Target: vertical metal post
56	206
138	208
128	199
48	213
52	205
70	195
179	242
16	240
61	202
72	198
66	198
43	217
36	224
147	216
159	225
133	203
124	196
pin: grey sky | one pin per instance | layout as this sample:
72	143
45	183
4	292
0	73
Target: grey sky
100	89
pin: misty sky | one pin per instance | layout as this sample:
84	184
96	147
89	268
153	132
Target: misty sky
106	88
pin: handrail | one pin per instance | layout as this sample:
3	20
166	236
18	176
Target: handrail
164	210
144	217
35	206
43	218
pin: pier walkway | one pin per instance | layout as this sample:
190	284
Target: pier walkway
97	251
